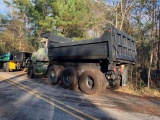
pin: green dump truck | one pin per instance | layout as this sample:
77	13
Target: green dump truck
91	65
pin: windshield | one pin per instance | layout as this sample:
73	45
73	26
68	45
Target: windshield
43	43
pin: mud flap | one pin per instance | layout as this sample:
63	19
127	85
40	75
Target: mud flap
125	76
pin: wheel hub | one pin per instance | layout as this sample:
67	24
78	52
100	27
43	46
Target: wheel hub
53	74
67	77
90	82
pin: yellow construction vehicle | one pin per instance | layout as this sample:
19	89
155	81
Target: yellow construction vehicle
15	61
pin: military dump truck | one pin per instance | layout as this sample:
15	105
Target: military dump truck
90	65
14	61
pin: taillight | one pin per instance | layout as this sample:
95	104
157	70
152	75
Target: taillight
114	69
117	69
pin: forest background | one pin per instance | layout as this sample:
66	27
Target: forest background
84	19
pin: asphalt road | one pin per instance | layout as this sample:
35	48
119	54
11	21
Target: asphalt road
35	99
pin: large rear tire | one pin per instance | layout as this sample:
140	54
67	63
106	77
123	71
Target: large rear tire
103	78
69	78
53	74
91	83
30	71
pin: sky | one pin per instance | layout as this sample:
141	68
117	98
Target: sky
3	8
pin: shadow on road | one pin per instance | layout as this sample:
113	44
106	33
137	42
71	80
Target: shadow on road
12	95
93	105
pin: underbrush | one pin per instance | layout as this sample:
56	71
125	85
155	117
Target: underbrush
140	90
138	83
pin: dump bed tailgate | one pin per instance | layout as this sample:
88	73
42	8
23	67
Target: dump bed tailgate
122	47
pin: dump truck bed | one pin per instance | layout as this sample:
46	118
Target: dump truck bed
113	45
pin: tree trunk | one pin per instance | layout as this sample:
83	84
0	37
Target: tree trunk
122	21
158	52
158	57
149	68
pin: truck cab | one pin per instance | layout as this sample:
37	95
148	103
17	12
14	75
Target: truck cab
39	60
41	53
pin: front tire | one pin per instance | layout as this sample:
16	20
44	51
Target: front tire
54	72
30	71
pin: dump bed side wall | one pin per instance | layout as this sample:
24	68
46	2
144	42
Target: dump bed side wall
114	46
79	50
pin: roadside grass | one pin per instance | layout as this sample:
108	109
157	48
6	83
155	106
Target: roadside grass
139	87
142	91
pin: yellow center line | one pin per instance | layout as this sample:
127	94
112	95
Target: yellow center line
23	87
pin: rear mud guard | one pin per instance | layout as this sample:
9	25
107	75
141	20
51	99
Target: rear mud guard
125	76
